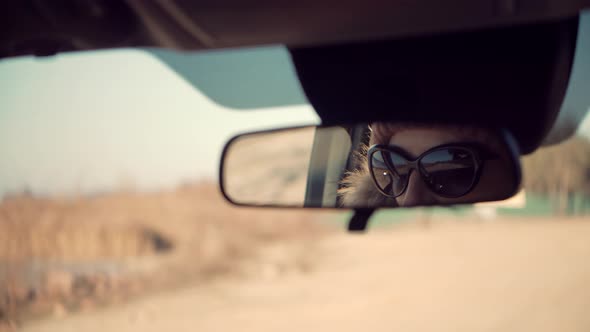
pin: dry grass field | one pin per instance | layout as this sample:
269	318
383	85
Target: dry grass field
65	254
186	260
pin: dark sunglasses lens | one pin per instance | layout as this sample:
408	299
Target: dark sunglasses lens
449	171
391	182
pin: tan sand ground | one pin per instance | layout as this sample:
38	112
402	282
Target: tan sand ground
486	276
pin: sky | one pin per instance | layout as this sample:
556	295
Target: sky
98	121
92	122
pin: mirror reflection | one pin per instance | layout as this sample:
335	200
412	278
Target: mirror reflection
382	164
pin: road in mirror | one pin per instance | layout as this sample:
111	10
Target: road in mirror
382	164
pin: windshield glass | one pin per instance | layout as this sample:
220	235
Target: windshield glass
111	219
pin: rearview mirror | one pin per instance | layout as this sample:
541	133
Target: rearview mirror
370	166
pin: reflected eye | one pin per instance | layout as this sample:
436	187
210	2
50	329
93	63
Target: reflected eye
390	182
377	161
449	171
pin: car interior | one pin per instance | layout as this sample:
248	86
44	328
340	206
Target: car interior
476	88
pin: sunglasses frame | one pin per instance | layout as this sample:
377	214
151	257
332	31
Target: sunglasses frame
478	153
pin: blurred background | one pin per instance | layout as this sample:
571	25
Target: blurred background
111	219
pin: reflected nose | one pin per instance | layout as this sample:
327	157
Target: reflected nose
417	193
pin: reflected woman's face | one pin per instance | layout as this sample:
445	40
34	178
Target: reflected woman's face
495	176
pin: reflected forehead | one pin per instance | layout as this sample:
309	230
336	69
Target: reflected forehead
416	140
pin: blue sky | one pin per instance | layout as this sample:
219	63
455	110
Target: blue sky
92	122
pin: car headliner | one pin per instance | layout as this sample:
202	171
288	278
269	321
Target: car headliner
47	27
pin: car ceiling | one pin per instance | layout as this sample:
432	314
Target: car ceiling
45	27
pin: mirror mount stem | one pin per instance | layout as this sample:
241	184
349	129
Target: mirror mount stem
359	220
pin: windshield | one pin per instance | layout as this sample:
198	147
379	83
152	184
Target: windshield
111	219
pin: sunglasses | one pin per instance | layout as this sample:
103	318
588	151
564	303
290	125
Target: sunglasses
450	170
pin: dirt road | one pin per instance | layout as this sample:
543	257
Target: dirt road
493	276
